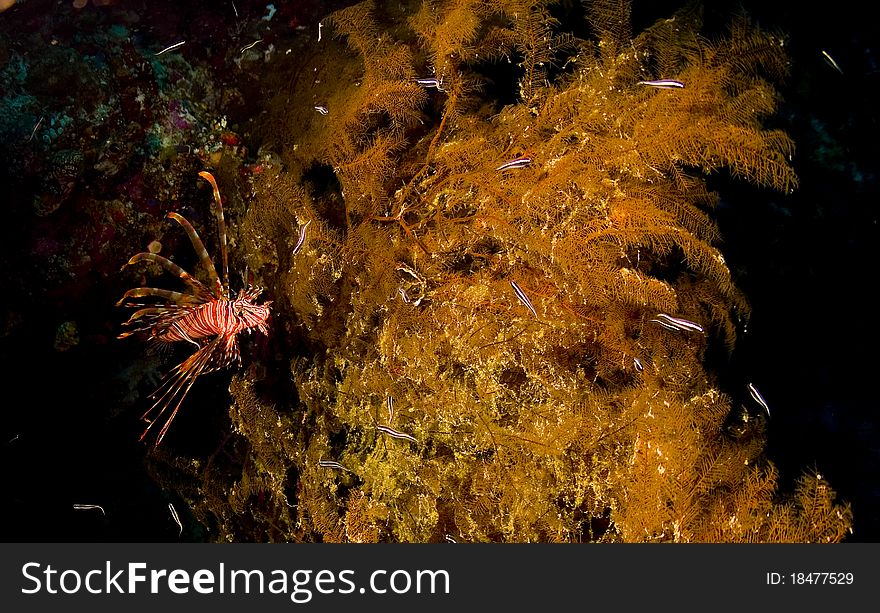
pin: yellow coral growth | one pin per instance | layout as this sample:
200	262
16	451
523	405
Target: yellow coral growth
474	349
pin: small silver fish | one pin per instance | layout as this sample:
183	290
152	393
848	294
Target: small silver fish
170	48
831	62
250	46
663	83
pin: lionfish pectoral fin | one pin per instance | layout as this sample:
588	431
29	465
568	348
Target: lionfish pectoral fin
153	320
175	388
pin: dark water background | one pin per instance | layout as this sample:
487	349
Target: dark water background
807	262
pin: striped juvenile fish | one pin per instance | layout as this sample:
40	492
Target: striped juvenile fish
396	434
757	397
663	84
332	464
523	298
431	83
677	324
176	518
302	237
520	162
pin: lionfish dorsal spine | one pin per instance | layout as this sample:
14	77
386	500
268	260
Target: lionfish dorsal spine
221	228
201	252
198	287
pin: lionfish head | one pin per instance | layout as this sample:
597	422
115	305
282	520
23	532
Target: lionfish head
249	313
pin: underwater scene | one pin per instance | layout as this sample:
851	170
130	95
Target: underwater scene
438	271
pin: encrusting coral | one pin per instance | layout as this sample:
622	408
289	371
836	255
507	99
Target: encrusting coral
496	327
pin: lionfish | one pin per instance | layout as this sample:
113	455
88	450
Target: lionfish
206	316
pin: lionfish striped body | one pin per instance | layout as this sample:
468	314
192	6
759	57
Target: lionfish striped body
207	316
